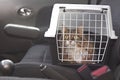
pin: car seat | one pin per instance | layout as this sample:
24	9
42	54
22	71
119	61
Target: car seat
36	48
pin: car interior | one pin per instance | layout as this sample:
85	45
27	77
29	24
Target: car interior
26	54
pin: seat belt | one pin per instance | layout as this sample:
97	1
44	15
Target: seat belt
117	73
115	56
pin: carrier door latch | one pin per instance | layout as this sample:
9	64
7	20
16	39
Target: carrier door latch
63	8
104	10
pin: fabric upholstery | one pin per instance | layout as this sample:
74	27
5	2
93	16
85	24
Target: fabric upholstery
33	70
38	53
114	4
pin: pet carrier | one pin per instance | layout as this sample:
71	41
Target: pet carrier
82	32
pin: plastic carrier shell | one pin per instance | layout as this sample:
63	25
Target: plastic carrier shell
82	32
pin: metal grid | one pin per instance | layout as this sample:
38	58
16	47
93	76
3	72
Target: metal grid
82	36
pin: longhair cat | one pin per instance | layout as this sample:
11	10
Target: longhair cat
75	46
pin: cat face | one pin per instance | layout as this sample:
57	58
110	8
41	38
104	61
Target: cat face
76	45
73	38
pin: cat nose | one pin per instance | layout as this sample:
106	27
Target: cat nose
67	42
72	42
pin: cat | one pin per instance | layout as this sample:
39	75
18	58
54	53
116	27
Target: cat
75	46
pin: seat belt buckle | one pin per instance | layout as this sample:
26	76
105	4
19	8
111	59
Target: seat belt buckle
102	73
84	72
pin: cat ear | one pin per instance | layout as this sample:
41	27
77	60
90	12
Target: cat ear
80	30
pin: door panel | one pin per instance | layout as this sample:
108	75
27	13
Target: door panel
41	12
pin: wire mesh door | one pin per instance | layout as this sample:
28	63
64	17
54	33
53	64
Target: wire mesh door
82	36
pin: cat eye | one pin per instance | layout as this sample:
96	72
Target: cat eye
75	37
66	37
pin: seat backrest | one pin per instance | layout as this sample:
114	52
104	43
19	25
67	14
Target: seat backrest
114	4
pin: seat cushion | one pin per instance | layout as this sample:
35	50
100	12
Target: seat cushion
38	53
33	70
